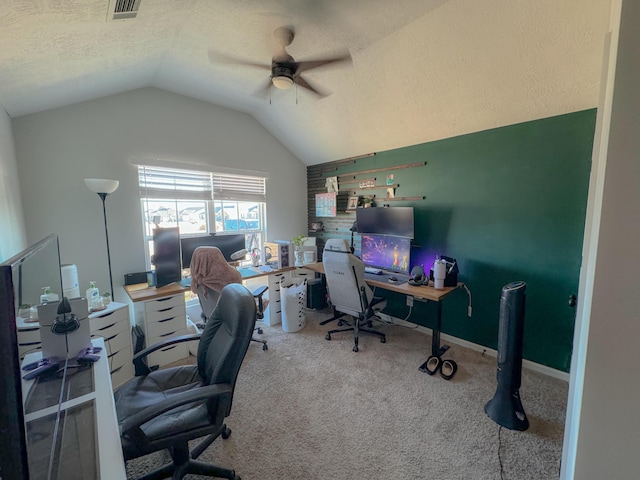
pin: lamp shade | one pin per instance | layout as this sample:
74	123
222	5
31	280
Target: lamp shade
282	82
101	185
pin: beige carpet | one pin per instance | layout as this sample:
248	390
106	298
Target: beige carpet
312	409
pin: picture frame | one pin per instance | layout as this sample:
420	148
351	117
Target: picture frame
353	203
326	204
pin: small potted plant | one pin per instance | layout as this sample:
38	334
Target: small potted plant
106	298
298	240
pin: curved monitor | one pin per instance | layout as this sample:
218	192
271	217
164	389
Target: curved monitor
228	245
397	221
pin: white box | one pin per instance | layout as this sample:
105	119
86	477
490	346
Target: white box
64	345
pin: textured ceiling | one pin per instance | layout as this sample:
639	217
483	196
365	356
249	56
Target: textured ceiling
422	69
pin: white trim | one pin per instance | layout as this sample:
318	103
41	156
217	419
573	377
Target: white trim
528	364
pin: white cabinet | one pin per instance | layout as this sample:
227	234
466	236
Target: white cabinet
164	318
112	324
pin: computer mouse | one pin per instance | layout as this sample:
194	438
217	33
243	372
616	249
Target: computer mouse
392	279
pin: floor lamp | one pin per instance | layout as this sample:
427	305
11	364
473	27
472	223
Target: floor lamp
104	187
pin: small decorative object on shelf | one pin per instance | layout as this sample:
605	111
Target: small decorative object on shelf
316	227
298	240
367	202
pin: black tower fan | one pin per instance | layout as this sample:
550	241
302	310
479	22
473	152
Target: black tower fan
505	408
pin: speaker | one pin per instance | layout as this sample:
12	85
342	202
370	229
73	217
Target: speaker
417	276
505	408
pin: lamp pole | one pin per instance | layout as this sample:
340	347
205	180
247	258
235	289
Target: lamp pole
103	196
104	187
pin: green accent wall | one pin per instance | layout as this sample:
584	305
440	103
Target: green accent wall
509	204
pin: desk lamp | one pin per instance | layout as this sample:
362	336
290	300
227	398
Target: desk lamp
104	187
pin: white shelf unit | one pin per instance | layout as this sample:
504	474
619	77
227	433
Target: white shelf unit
112	324
160	319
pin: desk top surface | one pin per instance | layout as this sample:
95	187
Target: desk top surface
142	292
423	291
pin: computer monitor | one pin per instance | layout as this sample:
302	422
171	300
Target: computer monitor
228	244
385	221
386	252
166	255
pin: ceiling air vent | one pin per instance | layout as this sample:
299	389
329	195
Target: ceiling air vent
120	9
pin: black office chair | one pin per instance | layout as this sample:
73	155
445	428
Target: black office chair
349	294
165	409
208	299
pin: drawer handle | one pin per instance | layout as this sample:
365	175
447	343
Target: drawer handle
169	348
163	299
108	326
166	319
29	344
110	338
168	334
105	315
116	370
165	309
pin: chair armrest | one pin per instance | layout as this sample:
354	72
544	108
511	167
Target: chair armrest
131	426
170	341
258	292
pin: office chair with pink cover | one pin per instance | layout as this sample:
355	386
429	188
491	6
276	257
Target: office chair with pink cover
210	273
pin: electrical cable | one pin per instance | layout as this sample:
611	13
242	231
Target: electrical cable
499	446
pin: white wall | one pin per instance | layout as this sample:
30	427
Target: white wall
58	148
603	429
12	234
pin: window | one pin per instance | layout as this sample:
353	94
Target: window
201	202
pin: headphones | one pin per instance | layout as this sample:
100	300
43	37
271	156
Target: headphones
68	323
418	277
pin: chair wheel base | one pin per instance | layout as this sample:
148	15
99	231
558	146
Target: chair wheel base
327	337
264	347
355	348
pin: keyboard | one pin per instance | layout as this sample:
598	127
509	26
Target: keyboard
373	270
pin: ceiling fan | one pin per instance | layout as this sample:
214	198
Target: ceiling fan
285	71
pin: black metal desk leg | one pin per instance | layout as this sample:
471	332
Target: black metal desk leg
435	363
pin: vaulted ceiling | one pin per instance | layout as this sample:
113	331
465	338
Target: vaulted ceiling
421	70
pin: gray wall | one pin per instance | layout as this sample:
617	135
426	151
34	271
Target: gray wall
12	236
58	148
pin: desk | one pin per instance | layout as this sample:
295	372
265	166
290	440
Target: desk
160	313
88	441
424	292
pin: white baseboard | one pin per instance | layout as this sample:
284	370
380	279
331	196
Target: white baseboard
528	364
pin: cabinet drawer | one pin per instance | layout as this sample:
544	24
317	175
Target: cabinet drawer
25	348
116	316
120	358
120	375
162	327
170	354
109	329
29	335
165	313
163	303
116	342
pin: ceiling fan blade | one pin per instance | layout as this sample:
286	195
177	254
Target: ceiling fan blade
304	66
303	83
215	57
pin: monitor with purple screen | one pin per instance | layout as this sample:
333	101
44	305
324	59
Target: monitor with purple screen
386	252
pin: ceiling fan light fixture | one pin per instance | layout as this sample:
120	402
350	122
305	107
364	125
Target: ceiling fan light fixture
282	82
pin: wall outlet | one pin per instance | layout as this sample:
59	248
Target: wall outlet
409	301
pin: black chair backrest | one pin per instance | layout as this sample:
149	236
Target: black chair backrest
226	336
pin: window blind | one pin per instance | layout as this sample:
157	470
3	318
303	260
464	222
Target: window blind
239	187
168	183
